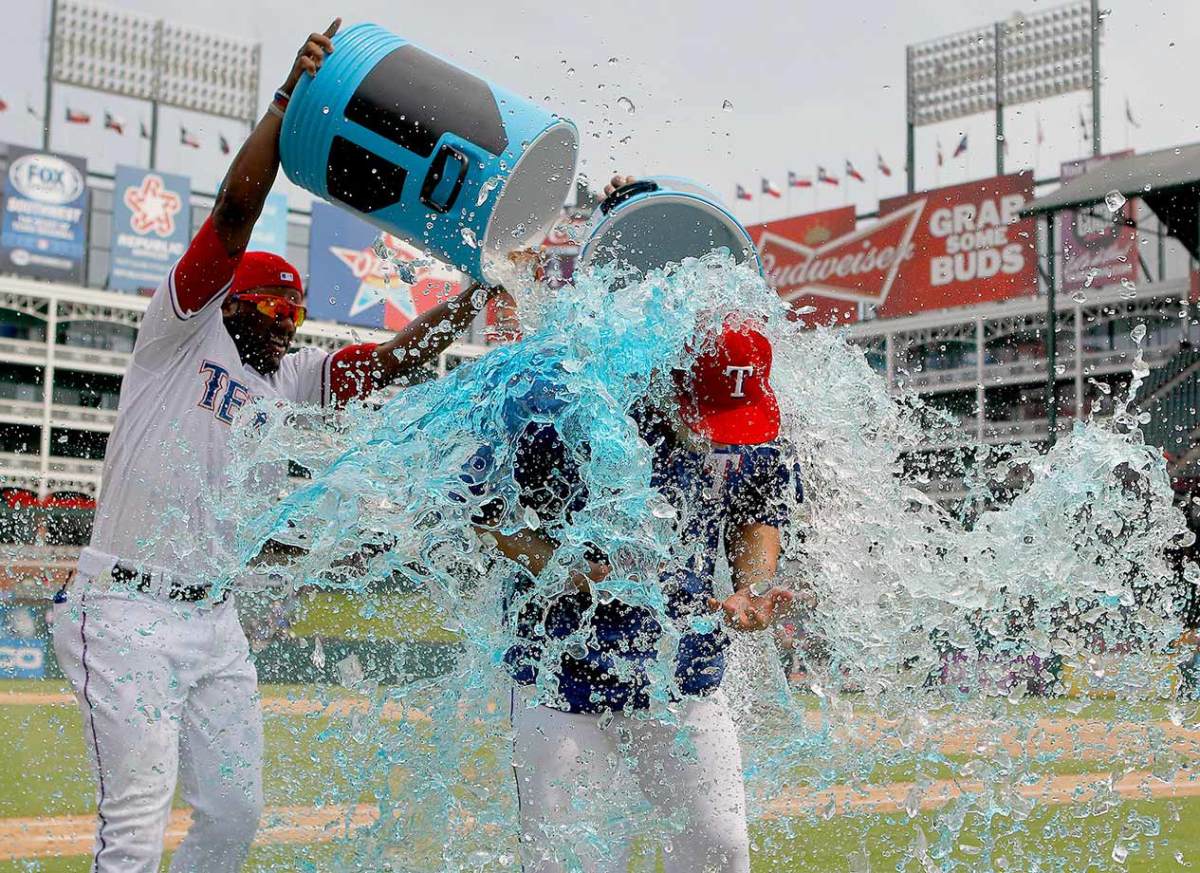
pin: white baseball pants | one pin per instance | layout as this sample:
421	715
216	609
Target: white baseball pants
165	688
577	816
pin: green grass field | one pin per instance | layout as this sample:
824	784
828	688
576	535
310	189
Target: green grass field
43	772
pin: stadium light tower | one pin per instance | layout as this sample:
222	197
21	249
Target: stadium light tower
1021	60
133	55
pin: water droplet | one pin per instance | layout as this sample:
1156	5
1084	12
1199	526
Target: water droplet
318	654
485	189
570	72
626	104
727	106
324	110
381	249
532	521
612	62
468	236
1091	277
1138	333
1119	853
406	271
1079	297
1114	200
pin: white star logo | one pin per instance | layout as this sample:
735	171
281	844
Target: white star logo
154	207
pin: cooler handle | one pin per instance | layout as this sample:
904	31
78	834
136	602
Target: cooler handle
616	198
437	171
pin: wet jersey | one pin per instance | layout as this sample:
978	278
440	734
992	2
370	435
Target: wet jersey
168	454
710	492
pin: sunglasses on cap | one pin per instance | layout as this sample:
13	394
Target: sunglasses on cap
275	307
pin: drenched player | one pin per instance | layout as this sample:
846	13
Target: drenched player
160	667
715	461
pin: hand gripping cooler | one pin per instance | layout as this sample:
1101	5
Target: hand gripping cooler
663	220
413	144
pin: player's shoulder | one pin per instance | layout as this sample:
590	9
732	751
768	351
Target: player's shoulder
298	356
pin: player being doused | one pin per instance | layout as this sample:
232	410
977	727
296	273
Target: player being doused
586	715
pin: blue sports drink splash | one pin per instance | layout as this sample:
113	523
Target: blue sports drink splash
438	156
1068	569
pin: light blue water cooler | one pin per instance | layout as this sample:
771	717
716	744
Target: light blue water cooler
662	220
427	151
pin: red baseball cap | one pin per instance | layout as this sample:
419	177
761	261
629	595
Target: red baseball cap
726	395
264	270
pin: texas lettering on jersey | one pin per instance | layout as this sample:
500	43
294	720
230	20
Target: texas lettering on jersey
233	394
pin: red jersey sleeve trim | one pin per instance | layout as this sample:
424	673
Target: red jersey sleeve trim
203	274
349	374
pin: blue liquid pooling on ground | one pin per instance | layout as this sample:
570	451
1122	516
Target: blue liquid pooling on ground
1055	558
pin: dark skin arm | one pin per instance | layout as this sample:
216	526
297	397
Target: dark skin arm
422	340
252	173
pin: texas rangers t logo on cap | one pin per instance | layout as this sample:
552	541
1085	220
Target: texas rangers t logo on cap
740	374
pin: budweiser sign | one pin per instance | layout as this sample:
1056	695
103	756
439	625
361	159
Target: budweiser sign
860	266
955	246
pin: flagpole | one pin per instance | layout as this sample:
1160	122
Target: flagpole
49	77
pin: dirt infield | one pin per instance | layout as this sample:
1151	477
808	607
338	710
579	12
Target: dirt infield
65	836
1049	791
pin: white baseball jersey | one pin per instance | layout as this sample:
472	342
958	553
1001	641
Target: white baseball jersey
168	454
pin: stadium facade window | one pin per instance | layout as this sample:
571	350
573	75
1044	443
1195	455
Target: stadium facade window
84	444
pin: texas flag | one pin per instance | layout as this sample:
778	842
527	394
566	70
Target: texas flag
822	176
76	117
795	181
187	139
853	173
743	194
769	188
881	165
961	148
113	122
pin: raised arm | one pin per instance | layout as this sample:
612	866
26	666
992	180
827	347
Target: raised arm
252	173
423	339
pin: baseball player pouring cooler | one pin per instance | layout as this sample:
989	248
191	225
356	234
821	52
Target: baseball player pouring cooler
160	667
715	461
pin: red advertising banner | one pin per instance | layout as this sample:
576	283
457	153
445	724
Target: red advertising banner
1099	247
955	246
969	247
791	251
